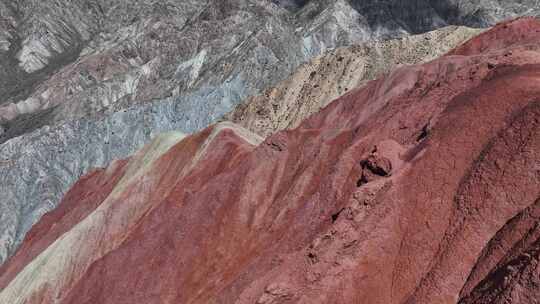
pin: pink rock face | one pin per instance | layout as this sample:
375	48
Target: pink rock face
448	214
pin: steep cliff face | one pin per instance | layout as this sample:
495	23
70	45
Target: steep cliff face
421	187
80	74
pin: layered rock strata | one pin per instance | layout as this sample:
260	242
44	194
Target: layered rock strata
79	75
421	187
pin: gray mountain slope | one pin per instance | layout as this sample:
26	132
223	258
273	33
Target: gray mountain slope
86	82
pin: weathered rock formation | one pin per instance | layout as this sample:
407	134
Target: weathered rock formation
86	82
69	60
329	76
421	187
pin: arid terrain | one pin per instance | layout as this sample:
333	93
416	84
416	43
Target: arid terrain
420	186
87	82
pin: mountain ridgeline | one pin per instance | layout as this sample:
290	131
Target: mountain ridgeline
86	82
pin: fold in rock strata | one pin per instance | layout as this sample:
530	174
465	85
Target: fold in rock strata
224	217
80	76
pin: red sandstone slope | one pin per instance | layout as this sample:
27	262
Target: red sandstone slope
421	187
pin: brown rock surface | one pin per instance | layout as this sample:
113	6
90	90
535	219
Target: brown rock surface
224	217
315	84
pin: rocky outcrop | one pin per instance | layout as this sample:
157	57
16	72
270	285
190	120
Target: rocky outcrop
507	270
420	187
71	68
315	84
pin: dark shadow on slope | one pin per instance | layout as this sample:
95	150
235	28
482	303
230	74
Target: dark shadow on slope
26	123
414	16
292	5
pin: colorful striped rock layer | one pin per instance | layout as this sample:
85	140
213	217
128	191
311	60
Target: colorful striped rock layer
421	187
